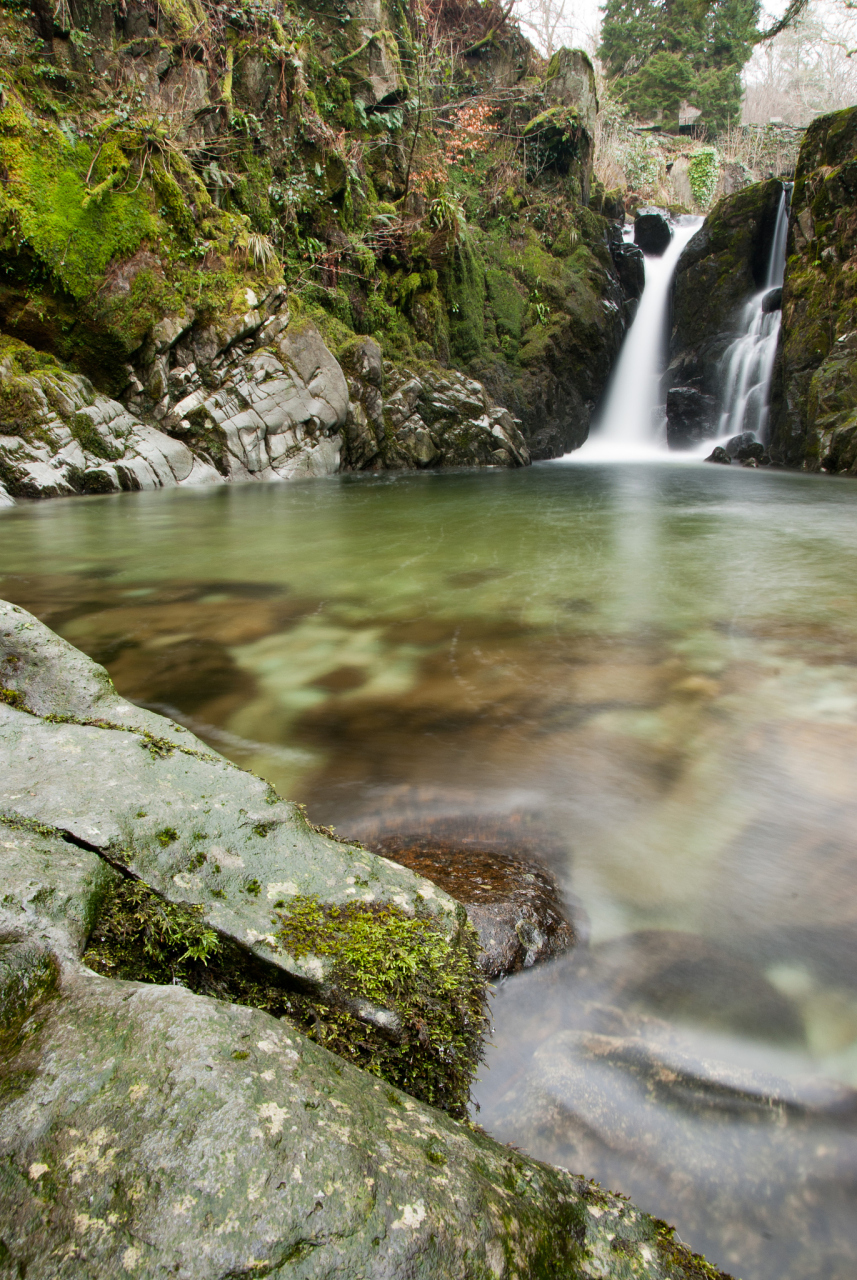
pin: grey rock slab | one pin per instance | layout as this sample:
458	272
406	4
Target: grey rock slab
158	804
51	890
146	1131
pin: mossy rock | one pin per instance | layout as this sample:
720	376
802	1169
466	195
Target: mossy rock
815	377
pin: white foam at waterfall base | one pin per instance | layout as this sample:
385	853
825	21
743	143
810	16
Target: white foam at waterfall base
631	426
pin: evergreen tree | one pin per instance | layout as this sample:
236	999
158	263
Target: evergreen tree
662	52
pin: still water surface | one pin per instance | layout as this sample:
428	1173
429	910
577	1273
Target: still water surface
645	674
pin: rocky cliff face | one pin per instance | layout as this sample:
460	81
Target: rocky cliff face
722	267
814	401
187	188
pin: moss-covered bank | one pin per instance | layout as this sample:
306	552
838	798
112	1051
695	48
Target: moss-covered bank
432	190
814	401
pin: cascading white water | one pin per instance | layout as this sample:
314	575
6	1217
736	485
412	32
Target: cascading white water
631	422
749	361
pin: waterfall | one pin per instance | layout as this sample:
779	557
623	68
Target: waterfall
631	421
749	361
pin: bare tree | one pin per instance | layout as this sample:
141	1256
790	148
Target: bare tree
804	71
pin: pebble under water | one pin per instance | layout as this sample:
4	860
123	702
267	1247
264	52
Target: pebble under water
644	675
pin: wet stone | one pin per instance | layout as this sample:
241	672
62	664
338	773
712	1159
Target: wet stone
513	903
652	231
719	454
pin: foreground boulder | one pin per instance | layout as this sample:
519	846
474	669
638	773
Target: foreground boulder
813	401
148	1130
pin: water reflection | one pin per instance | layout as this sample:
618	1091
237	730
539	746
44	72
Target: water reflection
647	676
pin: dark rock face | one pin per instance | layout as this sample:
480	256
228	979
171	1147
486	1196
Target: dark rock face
744	447
813	400
513	903
690	413
630	266
719	454
772	301
722	266
652	231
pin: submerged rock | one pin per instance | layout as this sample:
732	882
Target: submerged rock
584	1075
719	454
513	903
147	1129
652	231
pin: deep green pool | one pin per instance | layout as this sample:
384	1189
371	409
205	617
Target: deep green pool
651	671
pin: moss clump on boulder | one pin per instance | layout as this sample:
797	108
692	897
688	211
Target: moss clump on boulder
407	965
432	987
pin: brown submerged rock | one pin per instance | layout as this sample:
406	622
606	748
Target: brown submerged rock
513	903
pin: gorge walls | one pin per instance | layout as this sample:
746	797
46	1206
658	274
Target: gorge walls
814	400
723	265
187	187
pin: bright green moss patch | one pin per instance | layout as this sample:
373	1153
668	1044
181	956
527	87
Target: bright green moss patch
48	208
409	966
380	955
11	698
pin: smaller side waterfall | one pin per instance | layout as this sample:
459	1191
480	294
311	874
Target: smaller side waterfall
749	361
631	421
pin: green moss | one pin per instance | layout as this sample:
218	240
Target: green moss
703	171
408	965
379	954
47	209
11	698
89	438
141	936
20	410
